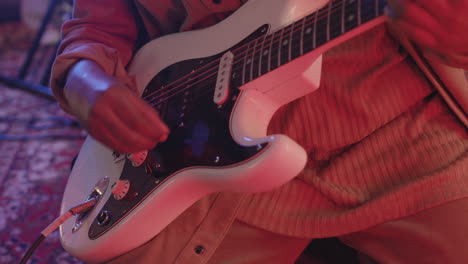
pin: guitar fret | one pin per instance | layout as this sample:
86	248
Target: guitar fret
328	21
261	56
269	53
321	25
273	50
246	79
314	41
235	80
359	12
376	8
296	39
284	45
301	44
243	70
380	7
274	61
237	76
350	15
290	44
368	10
335	19
252	62
308	34
279	47
343	7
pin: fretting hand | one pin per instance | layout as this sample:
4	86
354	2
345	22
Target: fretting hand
439	27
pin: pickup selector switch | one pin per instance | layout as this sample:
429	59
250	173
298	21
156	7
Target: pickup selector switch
138	158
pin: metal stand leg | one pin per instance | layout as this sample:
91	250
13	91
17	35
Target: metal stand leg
19	82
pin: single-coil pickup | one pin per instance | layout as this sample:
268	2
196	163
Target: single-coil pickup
221	93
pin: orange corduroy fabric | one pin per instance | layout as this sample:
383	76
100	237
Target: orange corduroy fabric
382	144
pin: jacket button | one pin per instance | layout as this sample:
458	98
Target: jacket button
199	250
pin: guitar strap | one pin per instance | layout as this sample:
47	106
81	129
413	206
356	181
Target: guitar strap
451	83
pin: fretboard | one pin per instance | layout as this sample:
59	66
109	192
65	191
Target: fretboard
269	52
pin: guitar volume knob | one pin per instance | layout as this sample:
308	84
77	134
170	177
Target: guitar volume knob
120	189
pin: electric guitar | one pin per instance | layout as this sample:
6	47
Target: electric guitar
217	89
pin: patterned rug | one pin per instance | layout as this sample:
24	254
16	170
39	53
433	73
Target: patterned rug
37	143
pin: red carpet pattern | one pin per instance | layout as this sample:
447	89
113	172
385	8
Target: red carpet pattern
37	144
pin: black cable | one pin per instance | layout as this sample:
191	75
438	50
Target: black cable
81	208
32	248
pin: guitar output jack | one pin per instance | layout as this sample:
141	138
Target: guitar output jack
103	218
97	193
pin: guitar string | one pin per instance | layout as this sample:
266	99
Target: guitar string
167	89
273	42
203	89
325	11
213	73
188	77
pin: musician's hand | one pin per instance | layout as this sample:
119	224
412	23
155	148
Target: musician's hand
111	112
439	27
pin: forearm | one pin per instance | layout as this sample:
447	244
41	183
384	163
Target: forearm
85	82
103	31
437	27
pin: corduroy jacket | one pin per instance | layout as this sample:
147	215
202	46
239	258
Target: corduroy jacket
378	144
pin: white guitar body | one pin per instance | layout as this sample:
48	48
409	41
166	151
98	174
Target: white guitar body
256	104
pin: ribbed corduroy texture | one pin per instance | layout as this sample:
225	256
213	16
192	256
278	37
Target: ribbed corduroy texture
381	143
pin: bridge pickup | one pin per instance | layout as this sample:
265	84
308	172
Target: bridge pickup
221	93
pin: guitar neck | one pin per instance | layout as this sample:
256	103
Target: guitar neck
271	51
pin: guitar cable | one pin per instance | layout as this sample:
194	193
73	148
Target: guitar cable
81	208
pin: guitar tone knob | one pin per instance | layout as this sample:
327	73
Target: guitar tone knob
138	158
121	189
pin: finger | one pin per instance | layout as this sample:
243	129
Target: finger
132	139
395	8
454	60
418	16
411	13
143	117
153	116
437	8
135	114
100	132
417	34
105	123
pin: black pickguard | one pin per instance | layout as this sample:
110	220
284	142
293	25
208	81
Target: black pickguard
199	135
